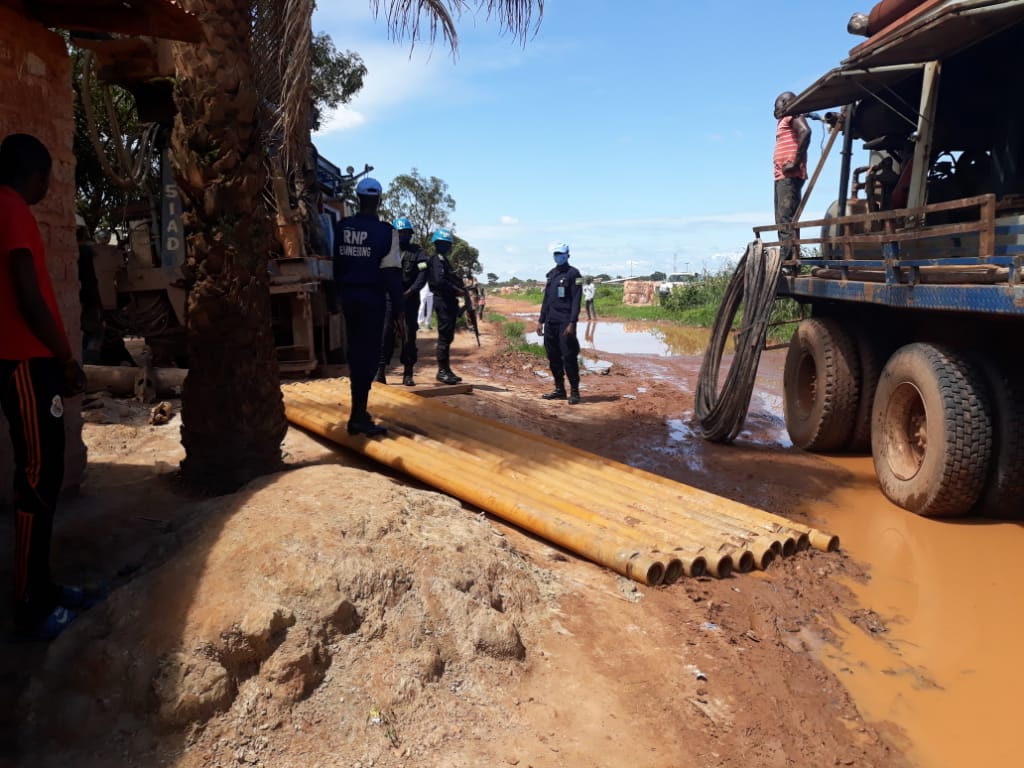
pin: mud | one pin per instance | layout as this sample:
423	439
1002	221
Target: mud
477	644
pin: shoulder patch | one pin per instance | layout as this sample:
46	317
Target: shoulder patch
421	265
579	281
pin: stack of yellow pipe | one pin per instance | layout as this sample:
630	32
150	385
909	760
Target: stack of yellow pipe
639	524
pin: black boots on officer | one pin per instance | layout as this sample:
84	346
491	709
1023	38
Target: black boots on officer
445	375
407	379
558	393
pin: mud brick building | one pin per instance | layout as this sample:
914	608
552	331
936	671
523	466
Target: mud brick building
36	97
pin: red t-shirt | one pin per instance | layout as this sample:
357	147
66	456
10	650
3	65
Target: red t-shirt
19	231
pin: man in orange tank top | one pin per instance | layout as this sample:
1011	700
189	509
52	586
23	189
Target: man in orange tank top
792	137
37	371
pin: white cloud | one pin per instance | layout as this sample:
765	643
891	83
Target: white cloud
508	220
393	79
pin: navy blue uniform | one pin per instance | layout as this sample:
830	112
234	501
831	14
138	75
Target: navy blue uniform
415	263
444	284
559	309
366	272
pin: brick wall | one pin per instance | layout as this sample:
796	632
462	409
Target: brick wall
36	98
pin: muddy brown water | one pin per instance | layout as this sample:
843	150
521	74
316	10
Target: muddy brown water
937	654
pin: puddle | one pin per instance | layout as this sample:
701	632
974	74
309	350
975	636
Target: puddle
638	338
947	668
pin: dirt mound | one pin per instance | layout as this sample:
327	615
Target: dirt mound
324	594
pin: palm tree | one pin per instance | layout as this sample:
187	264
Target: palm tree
232	411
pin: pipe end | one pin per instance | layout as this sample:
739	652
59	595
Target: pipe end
789	546
721	569
698	567
673	571
746	562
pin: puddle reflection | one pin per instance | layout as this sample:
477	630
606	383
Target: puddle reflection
639	337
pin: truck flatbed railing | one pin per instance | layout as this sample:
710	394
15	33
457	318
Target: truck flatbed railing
895	229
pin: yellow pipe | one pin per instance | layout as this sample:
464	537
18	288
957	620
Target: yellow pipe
571	471
761	548
452	418
688	561
457	423
544	492
572	536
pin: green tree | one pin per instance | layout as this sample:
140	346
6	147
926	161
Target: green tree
658	276
425	202
464	258
492	278
337	77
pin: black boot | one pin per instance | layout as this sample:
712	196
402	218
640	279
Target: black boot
407	379
557	394
362	424
380	378
445	376
574	396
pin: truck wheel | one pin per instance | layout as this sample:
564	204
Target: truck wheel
1003	493
820	385
871	358
931	431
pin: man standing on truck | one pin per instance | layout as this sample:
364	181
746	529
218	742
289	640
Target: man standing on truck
414	277
792	137
559	312
367	271
37	371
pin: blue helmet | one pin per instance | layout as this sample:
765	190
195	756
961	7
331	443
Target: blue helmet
401	223
444	235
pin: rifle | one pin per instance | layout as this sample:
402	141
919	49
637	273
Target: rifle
471	316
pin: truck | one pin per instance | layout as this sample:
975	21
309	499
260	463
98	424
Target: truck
910	293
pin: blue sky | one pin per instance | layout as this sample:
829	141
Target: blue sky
639	134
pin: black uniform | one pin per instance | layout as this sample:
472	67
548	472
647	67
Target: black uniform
366	271
415	263
446	287
560	308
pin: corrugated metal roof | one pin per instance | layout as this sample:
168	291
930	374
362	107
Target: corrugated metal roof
933	31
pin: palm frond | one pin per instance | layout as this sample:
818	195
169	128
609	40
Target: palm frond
405	18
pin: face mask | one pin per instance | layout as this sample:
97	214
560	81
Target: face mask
561	258
442	247
404	240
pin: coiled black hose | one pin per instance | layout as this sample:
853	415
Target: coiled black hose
721	413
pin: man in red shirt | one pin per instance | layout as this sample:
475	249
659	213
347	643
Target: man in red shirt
792	137
37	370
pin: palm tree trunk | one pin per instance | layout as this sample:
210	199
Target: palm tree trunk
232	410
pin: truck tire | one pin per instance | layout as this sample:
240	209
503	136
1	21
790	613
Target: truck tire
870	357
820	385
931	431
1003	493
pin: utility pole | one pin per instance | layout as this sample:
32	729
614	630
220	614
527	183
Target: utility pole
674	255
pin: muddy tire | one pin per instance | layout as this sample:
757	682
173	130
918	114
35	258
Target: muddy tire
871	358
820	381
931	431
1003	493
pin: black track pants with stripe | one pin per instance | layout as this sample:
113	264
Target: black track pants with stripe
32	403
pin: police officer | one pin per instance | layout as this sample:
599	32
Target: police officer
367	270
414	276
447	287
558	314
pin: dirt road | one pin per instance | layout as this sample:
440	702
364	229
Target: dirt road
337	615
